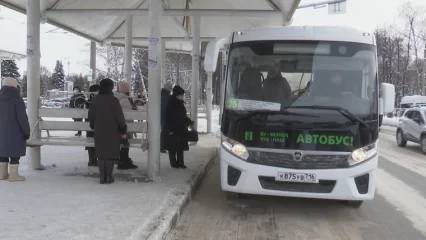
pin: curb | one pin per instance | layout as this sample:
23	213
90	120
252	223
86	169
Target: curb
168	216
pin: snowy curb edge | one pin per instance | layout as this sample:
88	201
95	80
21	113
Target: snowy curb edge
170	219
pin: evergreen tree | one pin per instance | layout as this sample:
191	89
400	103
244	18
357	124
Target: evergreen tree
9	69
80	81
24	86
58	76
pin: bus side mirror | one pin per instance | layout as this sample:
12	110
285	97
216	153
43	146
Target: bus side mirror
387	97
212	53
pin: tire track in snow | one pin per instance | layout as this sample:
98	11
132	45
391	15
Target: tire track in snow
404	198
412	161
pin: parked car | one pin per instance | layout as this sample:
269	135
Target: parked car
412	127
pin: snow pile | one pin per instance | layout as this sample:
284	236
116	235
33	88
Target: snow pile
390	121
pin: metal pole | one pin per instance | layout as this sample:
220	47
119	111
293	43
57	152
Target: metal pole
128	50
163	61
195	70
209	101
33	75
154	83
93	59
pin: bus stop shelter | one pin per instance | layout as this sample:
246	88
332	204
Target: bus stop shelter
158	24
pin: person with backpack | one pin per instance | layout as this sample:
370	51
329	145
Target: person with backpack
127	104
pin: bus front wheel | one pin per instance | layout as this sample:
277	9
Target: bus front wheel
354	204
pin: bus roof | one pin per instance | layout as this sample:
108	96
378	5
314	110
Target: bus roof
303	33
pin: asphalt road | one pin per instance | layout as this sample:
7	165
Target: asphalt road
398	211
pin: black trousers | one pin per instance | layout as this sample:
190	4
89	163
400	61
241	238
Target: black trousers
12	160
124	154
176	158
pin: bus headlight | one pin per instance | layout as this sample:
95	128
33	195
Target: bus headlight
236	148
362	154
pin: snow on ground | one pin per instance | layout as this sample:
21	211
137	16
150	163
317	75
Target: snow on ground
66	201
390	121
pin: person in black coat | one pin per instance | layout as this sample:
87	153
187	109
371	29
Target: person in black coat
93	162
176	128
77	101
165	95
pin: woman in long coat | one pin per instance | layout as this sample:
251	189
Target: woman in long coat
93	162
127	104
107	119
176	128
14	129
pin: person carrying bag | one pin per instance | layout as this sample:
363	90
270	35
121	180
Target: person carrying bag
176	128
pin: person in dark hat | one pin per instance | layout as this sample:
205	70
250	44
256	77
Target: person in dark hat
107	120
176	128
93	162
78	100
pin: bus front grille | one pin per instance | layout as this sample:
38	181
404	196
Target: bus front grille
308	161
323	186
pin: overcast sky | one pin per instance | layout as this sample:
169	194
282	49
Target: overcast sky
57	45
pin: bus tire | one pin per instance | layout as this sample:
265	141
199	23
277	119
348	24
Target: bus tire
354	204
233	196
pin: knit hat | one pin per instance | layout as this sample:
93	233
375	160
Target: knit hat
106	86
10	82
94	88
178	90
123	87
77	88
168	86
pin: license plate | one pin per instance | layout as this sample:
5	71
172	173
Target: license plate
297	177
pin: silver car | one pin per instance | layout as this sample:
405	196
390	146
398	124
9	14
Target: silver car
412	127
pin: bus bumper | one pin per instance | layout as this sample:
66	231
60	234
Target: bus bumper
355	183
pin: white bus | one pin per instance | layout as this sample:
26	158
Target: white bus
301	112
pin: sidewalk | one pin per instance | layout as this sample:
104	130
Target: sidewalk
66	201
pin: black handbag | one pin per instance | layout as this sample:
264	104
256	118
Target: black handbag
125	142
192	135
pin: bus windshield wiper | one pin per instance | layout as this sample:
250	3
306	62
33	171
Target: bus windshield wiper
343	111
253	113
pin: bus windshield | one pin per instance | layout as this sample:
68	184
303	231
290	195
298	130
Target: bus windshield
277	75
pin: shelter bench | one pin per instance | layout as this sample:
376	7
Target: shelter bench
139	125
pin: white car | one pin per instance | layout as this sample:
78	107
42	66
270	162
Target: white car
412	127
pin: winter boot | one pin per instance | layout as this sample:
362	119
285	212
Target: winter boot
109	170
126	164
102	171
13	173
4	174
92	160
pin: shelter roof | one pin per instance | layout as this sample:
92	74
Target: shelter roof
9	55
104	20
